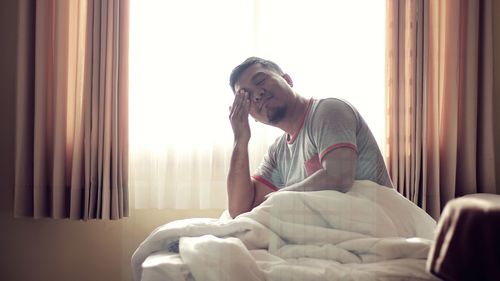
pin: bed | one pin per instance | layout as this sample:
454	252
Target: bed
369	233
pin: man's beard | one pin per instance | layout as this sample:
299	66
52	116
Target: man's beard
276	115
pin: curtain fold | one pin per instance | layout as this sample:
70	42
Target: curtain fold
72	110
439	85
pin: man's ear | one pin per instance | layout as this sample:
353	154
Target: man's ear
288	79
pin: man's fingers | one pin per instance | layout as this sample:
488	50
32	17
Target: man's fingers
241	105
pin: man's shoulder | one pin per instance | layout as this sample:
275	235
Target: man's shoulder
329	106
333	102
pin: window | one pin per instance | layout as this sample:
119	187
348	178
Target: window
181	54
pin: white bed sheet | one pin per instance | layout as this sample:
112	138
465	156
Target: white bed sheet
369	233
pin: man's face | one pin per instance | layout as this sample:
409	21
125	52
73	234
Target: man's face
268	91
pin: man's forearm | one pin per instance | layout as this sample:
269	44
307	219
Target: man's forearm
338	173
321	180
239	185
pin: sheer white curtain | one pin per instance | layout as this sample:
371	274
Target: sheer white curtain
181	54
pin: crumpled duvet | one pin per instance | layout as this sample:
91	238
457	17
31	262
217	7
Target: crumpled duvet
369	233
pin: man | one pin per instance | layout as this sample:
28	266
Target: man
326	144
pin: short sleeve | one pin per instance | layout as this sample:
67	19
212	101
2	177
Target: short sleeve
267	172
334	125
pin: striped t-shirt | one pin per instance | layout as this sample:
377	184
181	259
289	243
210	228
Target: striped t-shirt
328	124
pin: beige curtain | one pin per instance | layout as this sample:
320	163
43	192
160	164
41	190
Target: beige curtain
439	85
72	110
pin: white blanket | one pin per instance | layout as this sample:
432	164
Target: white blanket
369	233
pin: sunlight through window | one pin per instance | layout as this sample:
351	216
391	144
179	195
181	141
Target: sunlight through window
181	55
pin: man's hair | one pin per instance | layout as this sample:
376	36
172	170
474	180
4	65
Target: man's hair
238	70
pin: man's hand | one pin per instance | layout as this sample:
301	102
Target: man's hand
238	116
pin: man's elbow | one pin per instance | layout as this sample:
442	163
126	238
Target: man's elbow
342	183
341	187
236	211
337	186
346	183
344	187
